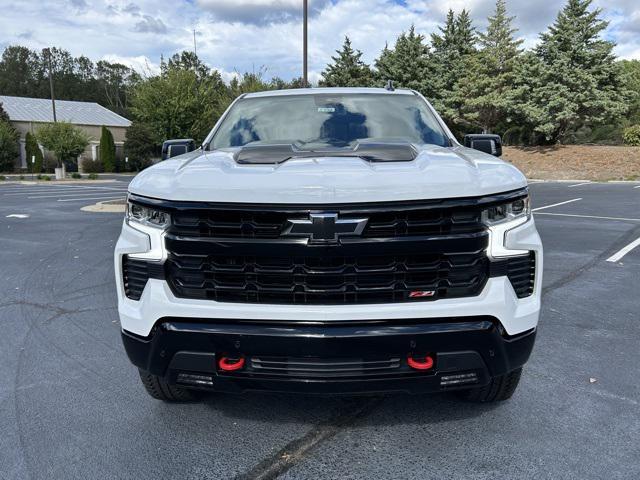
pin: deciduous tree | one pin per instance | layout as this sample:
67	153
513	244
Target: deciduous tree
64	140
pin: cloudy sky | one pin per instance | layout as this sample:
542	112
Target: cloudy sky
249	35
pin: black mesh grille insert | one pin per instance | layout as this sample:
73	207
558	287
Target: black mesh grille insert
135	274
326	368
522	272
326	280
236	223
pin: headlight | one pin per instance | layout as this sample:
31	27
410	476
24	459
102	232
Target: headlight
147	216
507	212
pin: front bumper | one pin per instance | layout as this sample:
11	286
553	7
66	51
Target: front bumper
473	349
497	299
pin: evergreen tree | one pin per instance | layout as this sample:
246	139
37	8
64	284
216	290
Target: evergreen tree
4	116
452	53
9	150
32	149
347	69
572	80
485	94
408	64
107	150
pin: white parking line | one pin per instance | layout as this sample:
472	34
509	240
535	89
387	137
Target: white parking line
92	198
637	186
578	184
590	216
616	257
555	205
64	190
66	194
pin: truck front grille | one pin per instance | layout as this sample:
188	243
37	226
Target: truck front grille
326	280
433	219
407	252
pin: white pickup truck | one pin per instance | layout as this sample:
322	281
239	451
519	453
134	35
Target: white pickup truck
330	240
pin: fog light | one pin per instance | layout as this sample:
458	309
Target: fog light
459	379
195	380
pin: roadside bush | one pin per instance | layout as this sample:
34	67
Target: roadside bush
91	166
9	150
33	150
631	136
21	177
2	178
46	178
76	175
92	176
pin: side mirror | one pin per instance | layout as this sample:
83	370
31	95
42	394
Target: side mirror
487	143
173	148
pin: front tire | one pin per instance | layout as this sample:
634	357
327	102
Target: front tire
499	389
159	389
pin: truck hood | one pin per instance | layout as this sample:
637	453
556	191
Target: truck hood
437	172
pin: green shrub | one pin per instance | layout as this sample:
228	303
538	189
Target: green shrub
39	177
9	149
46	178
76	175
631	136
93	176
91	166
33	150
2	177
21	177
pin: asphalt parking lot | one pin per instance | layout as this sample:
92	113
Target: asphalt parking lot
71	405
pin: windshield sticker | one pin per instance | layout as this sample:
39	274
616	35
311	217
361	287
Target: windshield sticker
326	109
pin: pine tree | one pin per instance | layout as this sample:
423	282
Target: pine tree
347	69
408	64
107	150
572	79
485	91
453	50
4	116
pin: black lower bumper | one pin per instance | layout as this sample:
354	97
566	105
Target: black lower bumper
345	357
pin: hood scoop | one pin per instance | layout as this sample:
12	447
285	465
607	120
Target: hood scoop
371	150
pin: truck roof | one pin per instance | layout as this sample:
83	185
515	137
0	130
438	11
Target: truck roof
328	90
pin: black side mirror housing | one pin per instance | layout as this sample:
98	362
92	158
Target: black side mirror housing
484	142
173	148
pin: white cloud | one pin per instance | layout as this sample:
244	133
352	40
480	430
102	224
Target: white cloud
246	35
140	64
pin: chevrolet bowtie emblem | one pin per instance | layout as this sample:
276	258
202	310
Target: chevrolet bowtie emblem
324	227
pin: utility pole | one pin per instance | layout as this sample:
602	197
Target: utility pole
305	77
195	47
53	98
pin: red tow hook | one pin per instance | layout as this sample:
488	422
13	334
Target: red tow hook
421	363
227	364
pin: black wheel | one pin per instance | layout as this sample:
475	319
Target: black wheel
159	389
499	389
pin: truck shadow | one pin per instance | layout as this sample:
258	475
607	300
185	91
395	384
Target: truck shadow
391	409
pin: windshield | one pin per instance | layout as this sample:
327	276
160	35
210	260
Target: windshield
336	120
